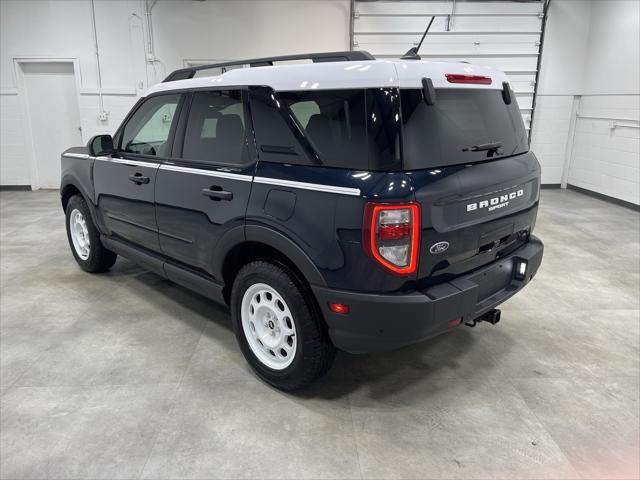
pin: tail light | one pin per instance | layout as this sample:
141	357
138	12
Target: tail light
392	236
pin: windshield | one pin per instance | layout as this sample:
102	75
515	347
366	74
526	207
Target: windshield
463	126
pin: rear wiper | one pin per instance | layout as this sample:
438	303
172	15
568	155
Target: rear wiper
490	148
483	147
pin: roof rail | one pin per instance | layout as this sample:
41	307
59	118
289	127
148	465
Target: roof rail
354	55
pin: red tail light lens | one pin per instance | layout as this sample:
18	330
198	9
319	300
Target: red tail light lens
392	236
394	232
473	79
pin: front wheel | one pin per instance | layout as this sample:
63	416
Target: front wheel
278	326
84	238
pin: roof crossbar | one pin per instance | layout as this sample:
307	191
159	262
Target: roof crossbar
354	55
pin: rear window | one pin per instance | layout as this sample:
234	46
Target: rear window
445	133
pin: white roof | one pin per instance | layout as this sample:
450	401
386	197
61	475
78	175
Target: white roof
342	75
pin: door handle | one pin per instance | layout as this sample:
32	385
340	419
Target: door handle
216	193
139	179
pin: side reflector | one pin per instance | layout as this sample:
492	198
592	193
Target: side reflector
340	308
472	79
454	323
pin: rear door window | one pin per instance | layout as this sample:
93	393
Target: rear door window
215	131
445	133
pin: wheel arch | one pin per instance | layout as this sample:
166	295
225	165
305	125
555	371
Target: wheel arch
262	242
68	191
69	187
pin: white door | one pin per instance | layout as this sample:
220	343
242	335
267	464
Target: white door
54	115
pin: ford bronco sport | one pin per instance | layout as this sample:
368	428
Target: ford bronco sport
348	203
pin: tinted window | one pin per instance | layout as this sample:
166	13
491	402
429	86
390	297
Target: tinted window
334	123
383	128
442	134
147	130
278	138
216	128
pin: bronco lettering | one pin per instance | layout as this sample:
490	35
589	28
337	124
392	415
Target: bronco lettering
495	202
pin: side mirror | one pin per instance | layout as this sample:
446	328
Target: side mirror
100	145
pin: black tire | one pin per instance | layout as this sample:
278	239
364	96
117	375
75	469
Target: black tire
314	351
99	259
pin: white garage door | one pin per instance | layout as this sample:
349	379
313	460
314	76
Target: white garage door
503	34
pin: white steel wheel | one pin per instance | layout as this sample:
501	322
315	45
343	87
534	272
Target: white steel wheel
268	326
79	234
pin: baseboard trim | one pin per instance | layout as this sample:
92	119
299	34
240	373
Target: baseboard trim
550	185
606	198
15	188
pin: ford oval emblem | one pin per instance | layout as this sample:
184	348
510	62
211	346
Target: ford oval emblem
439	247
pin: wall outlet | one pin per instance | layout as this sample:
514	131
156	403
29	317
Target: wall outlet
103	116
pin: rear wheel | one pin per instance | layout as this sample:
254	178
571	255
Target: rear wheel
84	238
278	326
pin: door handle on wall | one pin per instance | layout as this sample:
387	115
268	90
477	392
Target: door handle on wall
139	179
216	193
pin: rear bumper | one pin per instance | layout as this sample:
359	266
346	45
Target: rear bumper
384	322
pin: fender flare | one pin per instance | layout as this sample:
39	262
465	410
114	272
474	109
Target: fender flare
232	238
71	180
274	239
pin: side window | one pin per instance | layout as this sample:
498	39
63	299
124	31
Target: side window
147	131
216	128
383	112
303	111
334	122
278	138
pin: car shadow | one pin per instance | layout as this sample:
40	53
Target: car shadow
437	362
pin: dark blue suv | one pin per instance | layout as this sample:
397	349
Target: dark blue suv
346	202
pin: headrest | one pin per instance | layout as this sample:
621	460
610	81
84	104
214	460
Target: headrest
229	126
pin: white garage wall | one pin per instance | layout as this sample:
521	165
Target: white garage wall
561	76
232	30
62	29
182	30
590	69
605	159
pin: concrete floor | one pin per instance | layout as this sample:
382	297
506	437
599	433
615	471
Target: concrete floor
126	375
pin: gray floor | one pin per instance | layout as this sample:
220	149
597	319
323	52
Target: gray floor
125	375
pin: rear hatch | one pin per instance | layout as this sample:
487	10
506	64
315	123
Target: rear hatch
473	176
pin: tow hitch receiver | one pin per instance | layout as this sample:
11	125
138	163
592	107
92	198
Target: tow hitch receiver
492	316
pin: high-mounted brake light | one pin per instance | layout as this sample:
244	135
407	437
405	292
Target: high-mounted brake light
473	79
392	235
